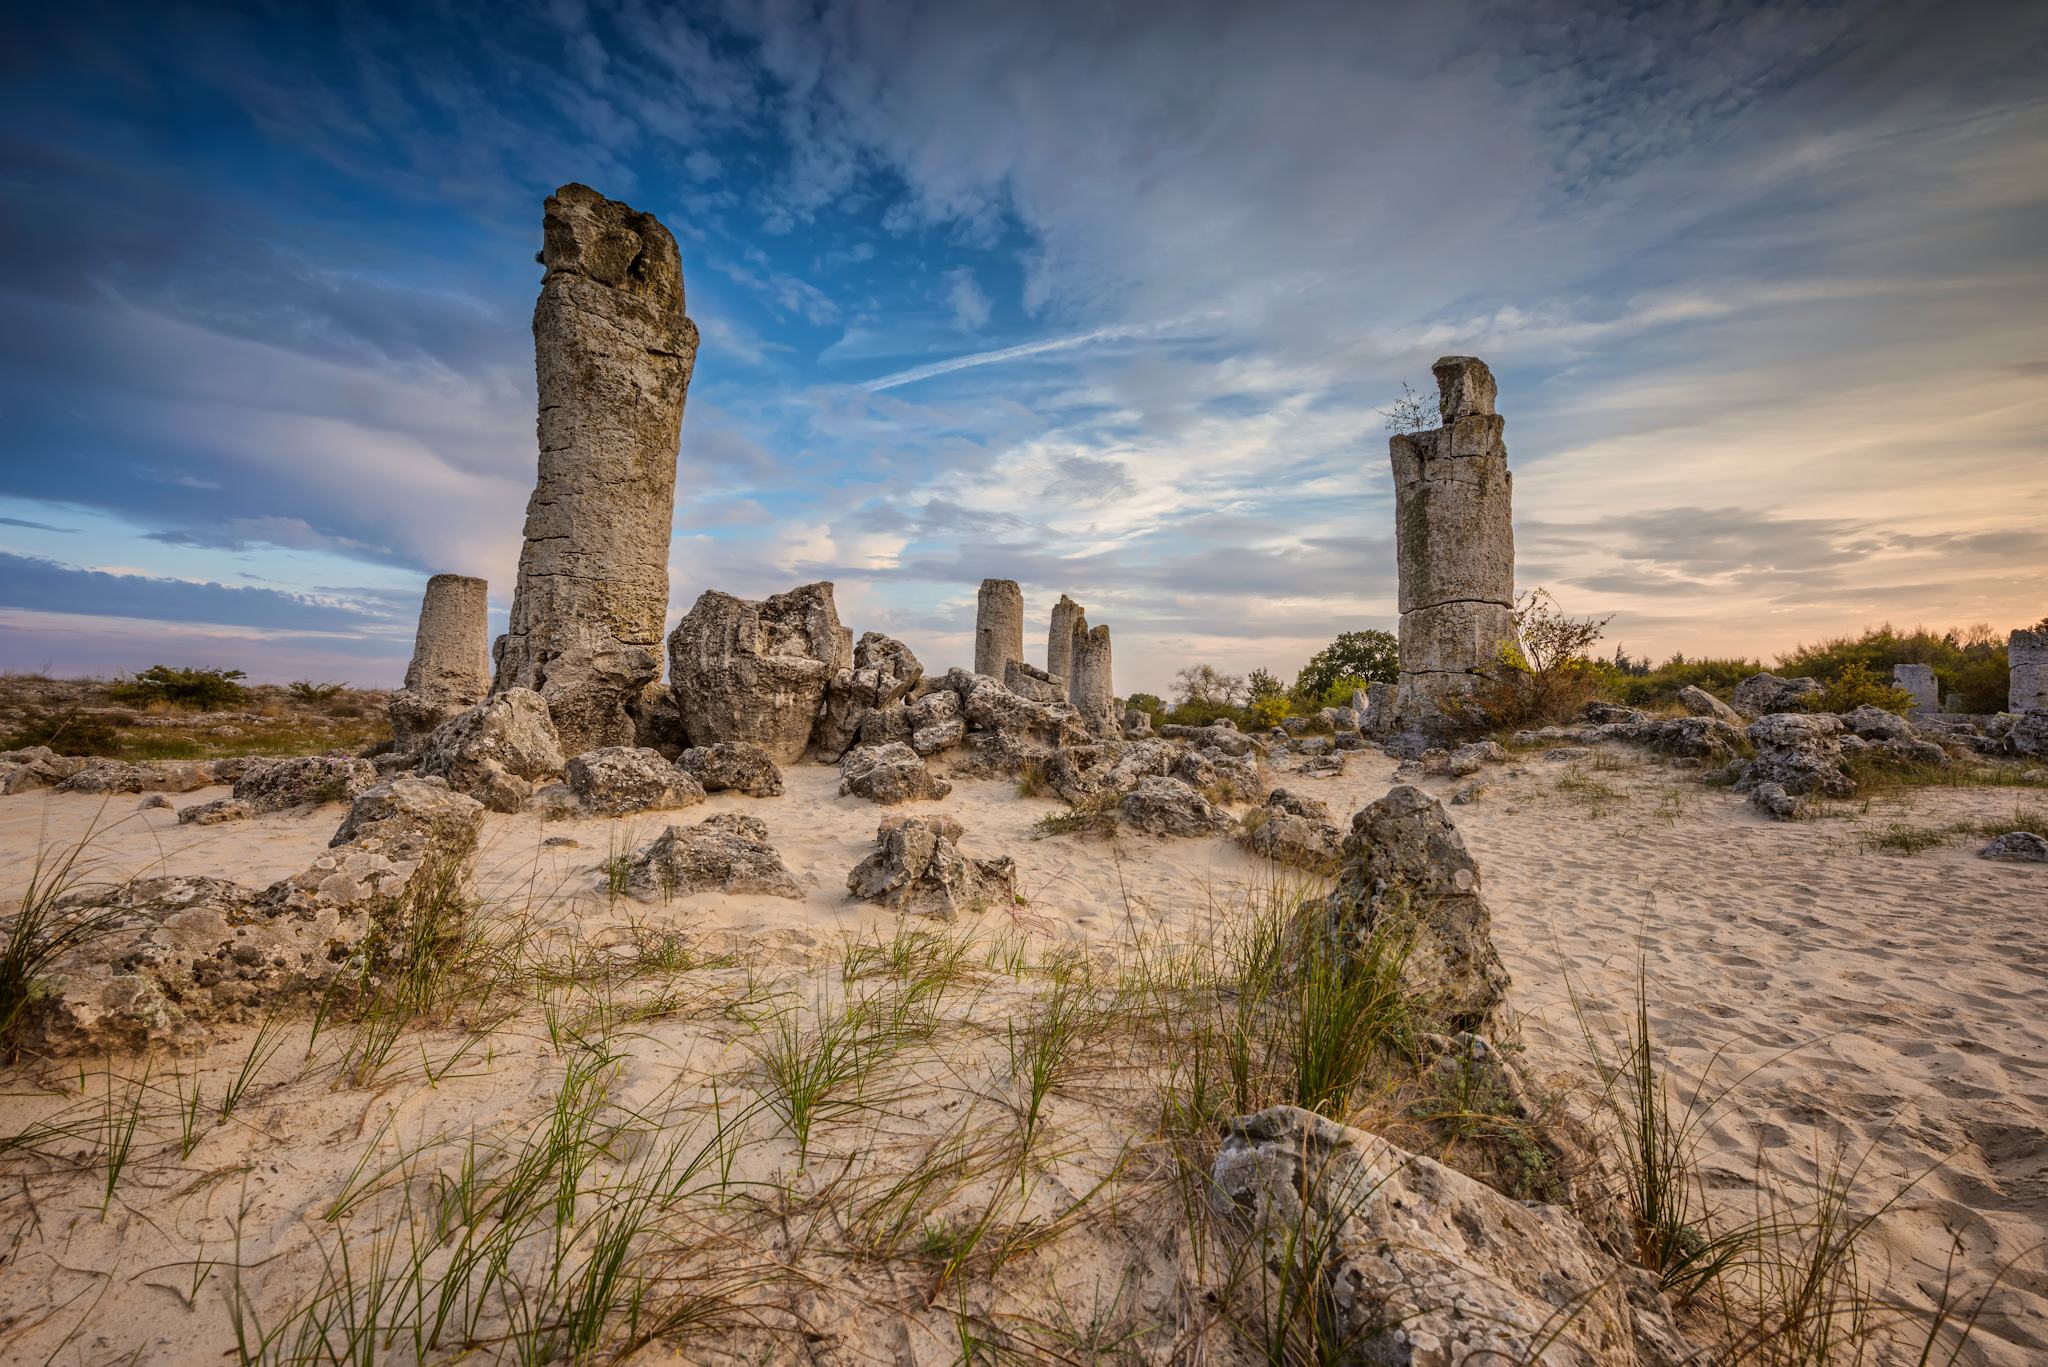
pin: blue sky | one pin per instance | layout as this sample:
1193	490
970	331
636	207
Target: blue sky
1106	299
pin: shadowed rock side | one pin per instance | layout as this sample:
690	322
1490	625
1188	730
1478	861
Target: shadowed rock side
613	353
917	868
1068	620
758	671
1456	545
450	668
998	626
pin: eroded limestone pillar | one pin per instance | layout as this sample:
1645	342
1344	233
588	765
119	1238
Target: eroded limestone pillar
998	626
1093	691
1456	544
450	667
2026	658
1918	680
1067	619
613	351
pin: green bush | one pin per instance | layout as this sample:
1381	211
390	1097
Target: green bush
1968	661
305	690
71	734
204	689
1363	655
1855	686
1661	685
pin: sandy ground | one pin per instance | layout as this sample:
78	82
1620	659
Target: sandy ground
1890	1007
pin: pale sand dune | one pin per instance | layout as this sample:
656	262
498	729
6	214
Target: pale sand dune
1908	990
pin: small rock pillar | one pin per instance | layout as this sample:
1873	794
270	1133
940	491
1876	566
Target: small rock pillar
998	626
613	352
1456	545
450	659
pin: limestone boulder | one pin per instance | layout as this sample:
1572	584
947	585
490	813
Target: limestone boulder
883	672
1700	703
618	780
1137	723
758	671
732	766
1800	752
1296	830
109	776
657	721
1426	1267
2017	847
2028	734
497	751
1221	776
216	813
1876	724
1028	681
36	766
1168	806
1761	695
889	774
917	868
1081	772
276	785
1406	873
1218	735
1007	733
727	853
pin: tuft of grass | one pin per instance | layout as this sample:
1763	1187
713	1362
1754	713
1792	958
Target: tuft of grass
121	1115
1902	837
48	924
1092	816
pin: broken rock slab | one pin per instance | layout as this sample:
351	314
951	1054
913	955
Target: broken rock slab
2017	847
498	751
889	774
1700	703
732	766
1168	806
276	785
1760	695
917	868
728	853
618	780
1290	829
758	671
884	671
1425	1266
107	776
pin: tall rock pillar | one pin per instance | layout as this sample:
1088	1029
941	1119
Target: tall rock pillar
613	351
1093	692
1067	621
1456	543
2026	658
450	667
998	626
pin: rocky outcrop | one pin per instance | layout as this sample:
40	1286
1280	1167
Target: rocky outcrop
107	776
917	868
998	626
2028	734
1137	723
758	671
1700	703
1168	806
618	780
1455	541
613	354
276	785
1081	773
1036	684
1465	760
173	958
497	751
1798	755
1290	829
1425	1266
1218	735
889	774
1220	776
733	766
37	766
1006	733
883	671
450	668
1760	695
723	853
1406	874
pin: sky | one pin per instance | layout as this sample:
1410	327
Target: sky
1107	299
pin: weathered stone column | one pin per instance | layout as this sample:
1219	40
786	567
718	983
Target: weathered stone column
1067	621
2026	658
998	626
613	353
1919	681
450	667
1093	692
1455	533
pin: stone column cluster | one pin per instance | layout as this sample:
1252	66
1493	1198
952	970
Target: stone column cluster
1455	538
998	626
2026	657
450	667
613	353
1080	656
1059	639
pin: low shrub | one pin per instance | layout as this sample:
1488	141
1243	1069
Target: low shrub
305	690
204	689
73	733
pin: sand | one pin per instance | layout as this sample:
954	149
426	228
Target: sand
1893	1006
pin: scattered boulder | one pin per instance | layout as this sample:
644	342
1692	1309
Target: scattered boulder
176	956
1874	723
496	751
276	785
1137	723
1330	765
1464	761
1081	772
1427	1267
1007	734
1700	703
732	766
1798	752
2028	733
758	671
657	721
1169	806
889	774
109	776
155	802
1222	777
1773	800
1221	735
1289	829
1468	794
917	867
37	766
883	672
2019	847
616	780
728	852
1406	872
215	813
1760	695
